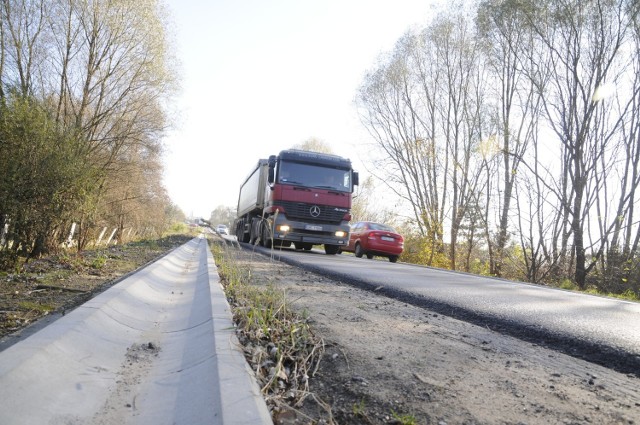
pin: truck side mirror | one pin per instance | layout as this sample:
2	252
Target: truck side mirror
272	169
356	180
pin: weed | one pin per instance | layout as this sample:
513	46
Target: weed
568	284
177	228
404	419
33	306
278	343
99	261
359	409
630	295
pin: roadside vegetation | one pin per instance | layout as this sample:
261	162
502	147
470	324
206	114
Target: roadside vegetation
83	94
278	342
505	135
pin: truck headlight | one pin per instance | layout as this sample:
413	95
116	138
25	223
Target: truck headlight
284	228
341	234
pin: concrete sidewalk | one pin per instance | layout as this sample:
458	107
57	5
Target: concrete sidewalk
157	348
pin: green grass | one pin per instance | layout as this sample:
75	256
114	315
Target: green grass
404	419
359	409
629	294
99	261
33	306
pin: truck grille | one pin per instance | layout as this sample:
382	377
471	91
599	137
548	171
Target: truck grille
302	211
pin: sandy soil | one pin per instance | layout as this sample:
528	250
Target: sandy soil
387	362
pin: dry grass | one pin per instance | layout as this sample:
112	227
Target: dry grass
278	343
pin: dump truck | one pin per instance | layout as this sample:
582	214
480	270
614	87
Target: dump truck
297	197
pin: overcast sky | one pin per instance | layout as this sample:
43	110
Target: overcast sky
260	76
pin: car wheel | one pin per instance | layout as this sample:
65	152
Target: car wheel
393	258
358	250
369	256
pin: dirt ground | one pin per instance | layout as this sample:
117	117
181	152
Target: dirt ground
387	362
61	282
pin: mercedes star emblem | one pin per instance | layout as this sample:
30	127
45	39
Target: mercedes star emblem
315	211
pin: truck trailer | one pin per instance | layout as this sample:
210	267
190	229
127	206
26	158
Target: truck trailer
298	197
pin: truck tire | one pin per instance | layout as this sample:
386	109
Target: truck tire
242	237
254	231
267	242
331	249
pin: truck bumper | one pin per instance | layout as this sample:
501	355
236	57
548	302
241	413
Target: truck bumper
313	233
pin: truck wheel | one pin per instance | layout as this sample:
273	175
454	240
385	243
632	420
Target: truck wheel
308	246
331	249
254	231
266	237
240	235
358	250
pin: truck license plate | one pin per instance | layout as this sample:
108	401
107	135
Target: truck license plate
312	227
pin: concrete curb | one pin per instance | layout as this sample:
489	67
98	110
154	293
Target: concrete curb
157	348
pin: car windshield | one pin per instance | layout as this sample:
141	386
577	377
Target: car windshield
307	175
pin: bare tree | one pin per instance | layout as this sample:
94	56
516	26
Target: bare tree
22	27
395	107
424	109
102	70
584	41
508	46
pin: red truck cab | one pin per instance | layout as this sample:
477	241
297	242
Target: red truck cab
306	202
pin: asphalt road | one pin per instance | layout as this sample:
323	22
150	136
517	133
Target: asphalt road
599	329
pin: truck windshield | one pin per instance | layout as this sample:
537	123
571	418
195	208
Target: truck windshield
307	175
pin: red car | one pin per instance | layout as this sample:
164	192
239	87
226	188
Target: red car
370	239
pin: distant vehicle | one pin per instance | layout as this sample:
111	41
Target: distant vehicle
222	229
371	239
